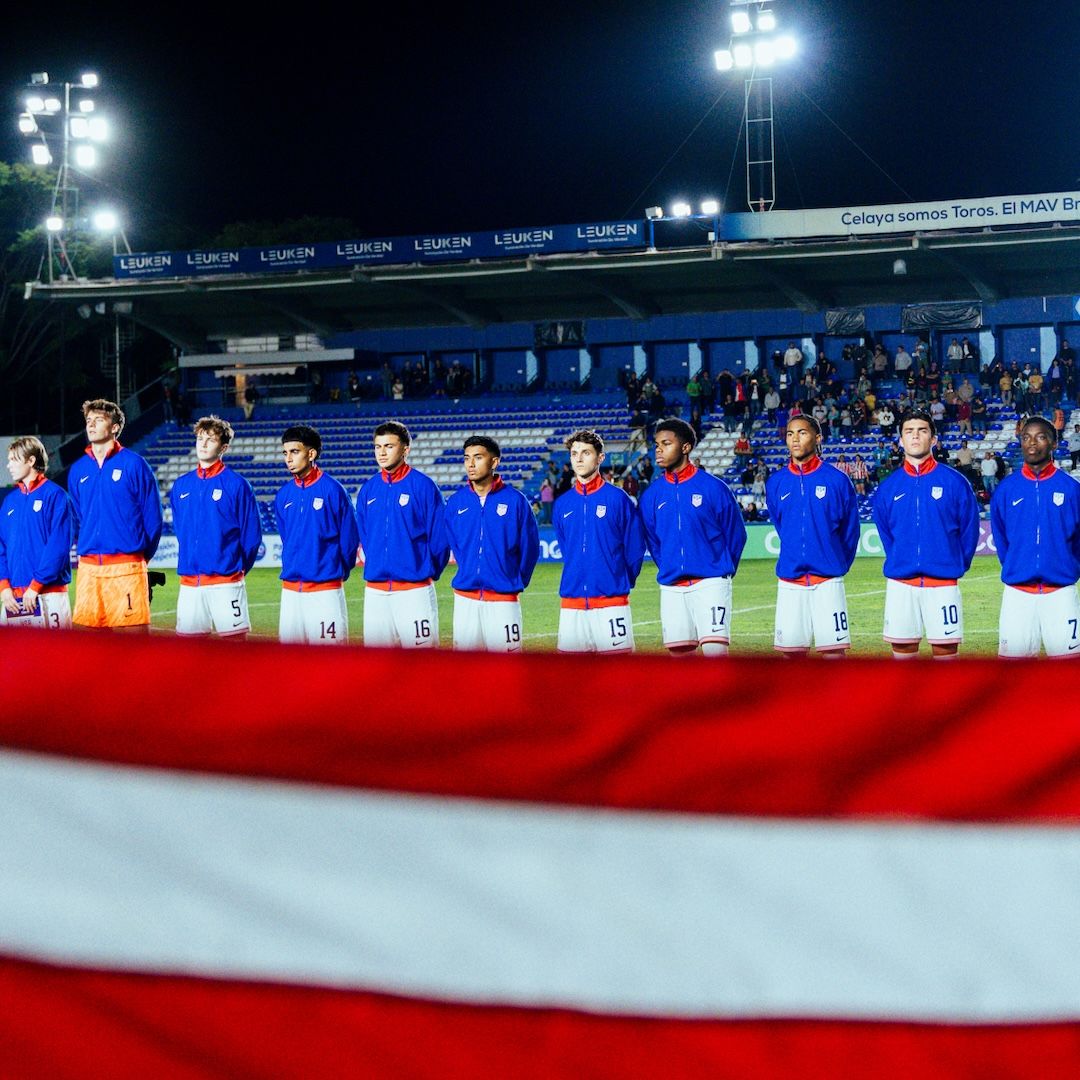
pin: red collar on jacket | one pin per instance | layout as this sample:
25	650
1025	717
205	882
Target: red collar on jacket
814	463
1048	470
399	473
595	484
206	474
681	475
314	473
928	465
115	449
497	485
34	484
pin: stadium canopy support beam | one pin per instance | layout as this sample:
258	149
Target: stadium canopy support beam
803	300
626	299
987	290
185	334
444	298
297	316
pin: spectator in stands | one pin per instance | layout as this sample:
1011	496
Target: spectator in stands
753	401
820	413
1054	381
693	392
1074	446
882	460
860	475
971	355
708	392
1059	424
354	386
743	450
964	462
315	386
937	412
251	397
1005	386
793	362
547	497
388	379
963	418
921	355
845	424
1021	387
732	414
954	356
566	480
1036	395
438	378
886	420
772	403
397	390
879	363
988	469
902	362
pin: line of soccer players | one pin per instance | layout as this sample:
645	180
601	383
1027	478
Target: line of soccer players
925	512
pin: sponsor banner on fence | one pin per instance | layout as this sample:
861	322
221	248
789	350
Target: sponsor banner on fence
384	251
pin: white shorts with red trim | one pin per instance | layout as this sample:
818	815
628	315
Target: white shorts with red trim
319	617
402	618
812	613
1050	619
202	609
696	614
933	611
598	630
487	625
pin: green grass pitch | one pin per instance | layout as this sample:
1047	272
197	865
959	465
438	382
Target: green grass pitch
752	623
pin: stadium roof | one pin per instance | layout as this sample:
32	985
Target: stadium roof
809	275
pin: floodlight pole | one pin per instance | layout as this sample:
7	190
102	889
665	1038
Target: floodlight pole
760	144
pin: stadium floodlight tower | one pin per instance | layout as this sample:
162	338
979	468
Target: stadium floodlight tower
755	47
59	120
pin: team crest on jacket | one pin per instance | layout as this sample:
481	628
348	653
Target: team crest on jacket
501	509
316	504
117	473
216	496
403	499
1059	498
697	500
38	504
820	491
936	492
601	510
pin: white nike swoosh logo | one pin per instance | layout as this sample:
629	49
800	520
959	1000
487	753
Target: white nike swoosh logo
466	510
660	506
370	501
895	497
11	511
568	513
783	497
286	506
1020	500
185	495
83	479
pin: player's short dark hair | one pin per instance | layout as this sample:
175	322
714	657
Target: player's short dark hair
305	435
109	408
680	429
1045	423
585	435
810	420
486	441
30	448
917	414
215	426
394	427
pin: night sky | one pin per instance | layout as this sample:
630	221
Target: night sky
403	120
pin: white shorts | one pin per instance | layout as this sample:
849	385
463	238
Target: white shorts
487	625
201	609
812	612
53	613
932	610
696	614
406	618
1051	619
598	630
314	618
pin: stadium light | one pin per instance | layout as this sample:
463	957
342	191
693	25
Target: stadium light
681	213
61	123
756	46
681	210
54	223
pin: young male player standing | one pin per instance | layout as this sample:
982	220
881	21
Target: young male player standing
118	505
318	545
696	535
812	505
603	546
496	542
216	520
402	525
35	543
928	521
1035	514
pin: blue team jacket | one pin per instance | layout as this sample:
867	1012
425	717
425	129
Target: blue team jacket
1036	523
402	527
216	520
693	525
118	505
35	536
318	530
496	543
928	521
814	511
601	539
